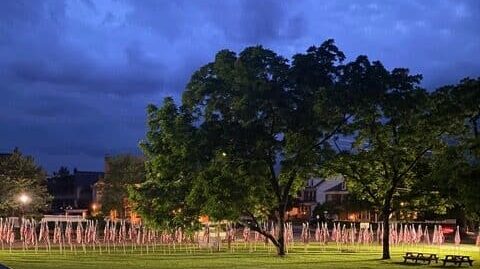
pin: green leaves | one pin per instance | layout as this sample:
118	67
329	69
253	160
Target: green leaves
393	134
456	166
251	129
123	171
19	174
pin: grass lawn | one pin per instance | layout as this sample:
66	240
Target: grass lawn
314	256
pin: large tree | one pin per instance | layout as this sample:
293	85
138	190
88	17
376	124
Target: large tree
20	175
458	166
122	171
251	129
397	133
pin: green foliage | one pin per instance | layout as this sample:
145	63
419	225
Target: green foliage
251	129
170	152
457	168
396	135
20	175
122	171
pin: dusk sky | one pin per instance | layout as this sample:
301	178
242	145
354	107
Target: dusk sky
76	76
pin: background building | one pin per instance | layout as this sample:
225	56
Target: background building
329	199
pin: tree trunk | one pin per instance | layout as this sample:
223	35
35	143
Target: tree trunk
386	233
281	237
268	236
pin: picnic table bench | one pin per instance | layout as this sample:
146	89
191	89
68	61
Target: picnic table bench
419	256
457	260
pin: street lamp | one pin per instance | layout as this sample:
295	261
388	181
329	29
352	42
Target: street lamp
24	200
95	209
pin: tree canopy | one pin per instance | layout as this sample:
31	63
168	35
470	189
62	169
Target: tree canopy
457	168
20	175
253	127
396	133
122	171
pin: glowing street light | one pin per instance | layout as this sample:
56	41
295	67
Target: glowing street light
24	198
95	209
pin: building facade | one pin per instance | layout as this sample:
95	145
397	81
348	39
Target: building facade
330	198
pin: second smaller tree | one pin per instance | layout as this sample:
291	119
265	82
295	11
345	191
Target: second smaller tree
121	172
396	132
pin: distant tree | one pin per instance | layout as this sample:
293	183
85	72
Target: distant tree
62	172
60	186
122	171
459	106
20	175
249	133
396	132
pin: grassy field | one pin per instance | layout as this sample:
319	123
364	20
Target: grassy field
314	256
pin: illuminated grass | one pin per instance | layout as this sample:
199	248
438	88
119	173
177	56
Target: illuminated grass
314	256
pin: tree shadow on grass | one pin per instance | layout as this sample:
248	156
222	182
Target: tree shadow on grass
417	264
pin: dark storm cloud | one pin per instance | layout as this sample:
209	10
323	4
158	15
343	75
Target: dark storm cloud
429	37
75	76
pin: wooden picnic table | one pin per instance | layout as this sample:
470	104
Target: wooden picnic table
419	256
457	260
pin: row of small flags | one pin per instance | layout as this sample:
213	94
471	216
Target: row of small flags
7	233
398	234
33	233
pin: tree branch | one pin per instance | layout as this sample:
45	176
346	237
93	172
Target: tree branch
332	133
274	181
286	190
365	187
257	228
413	163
